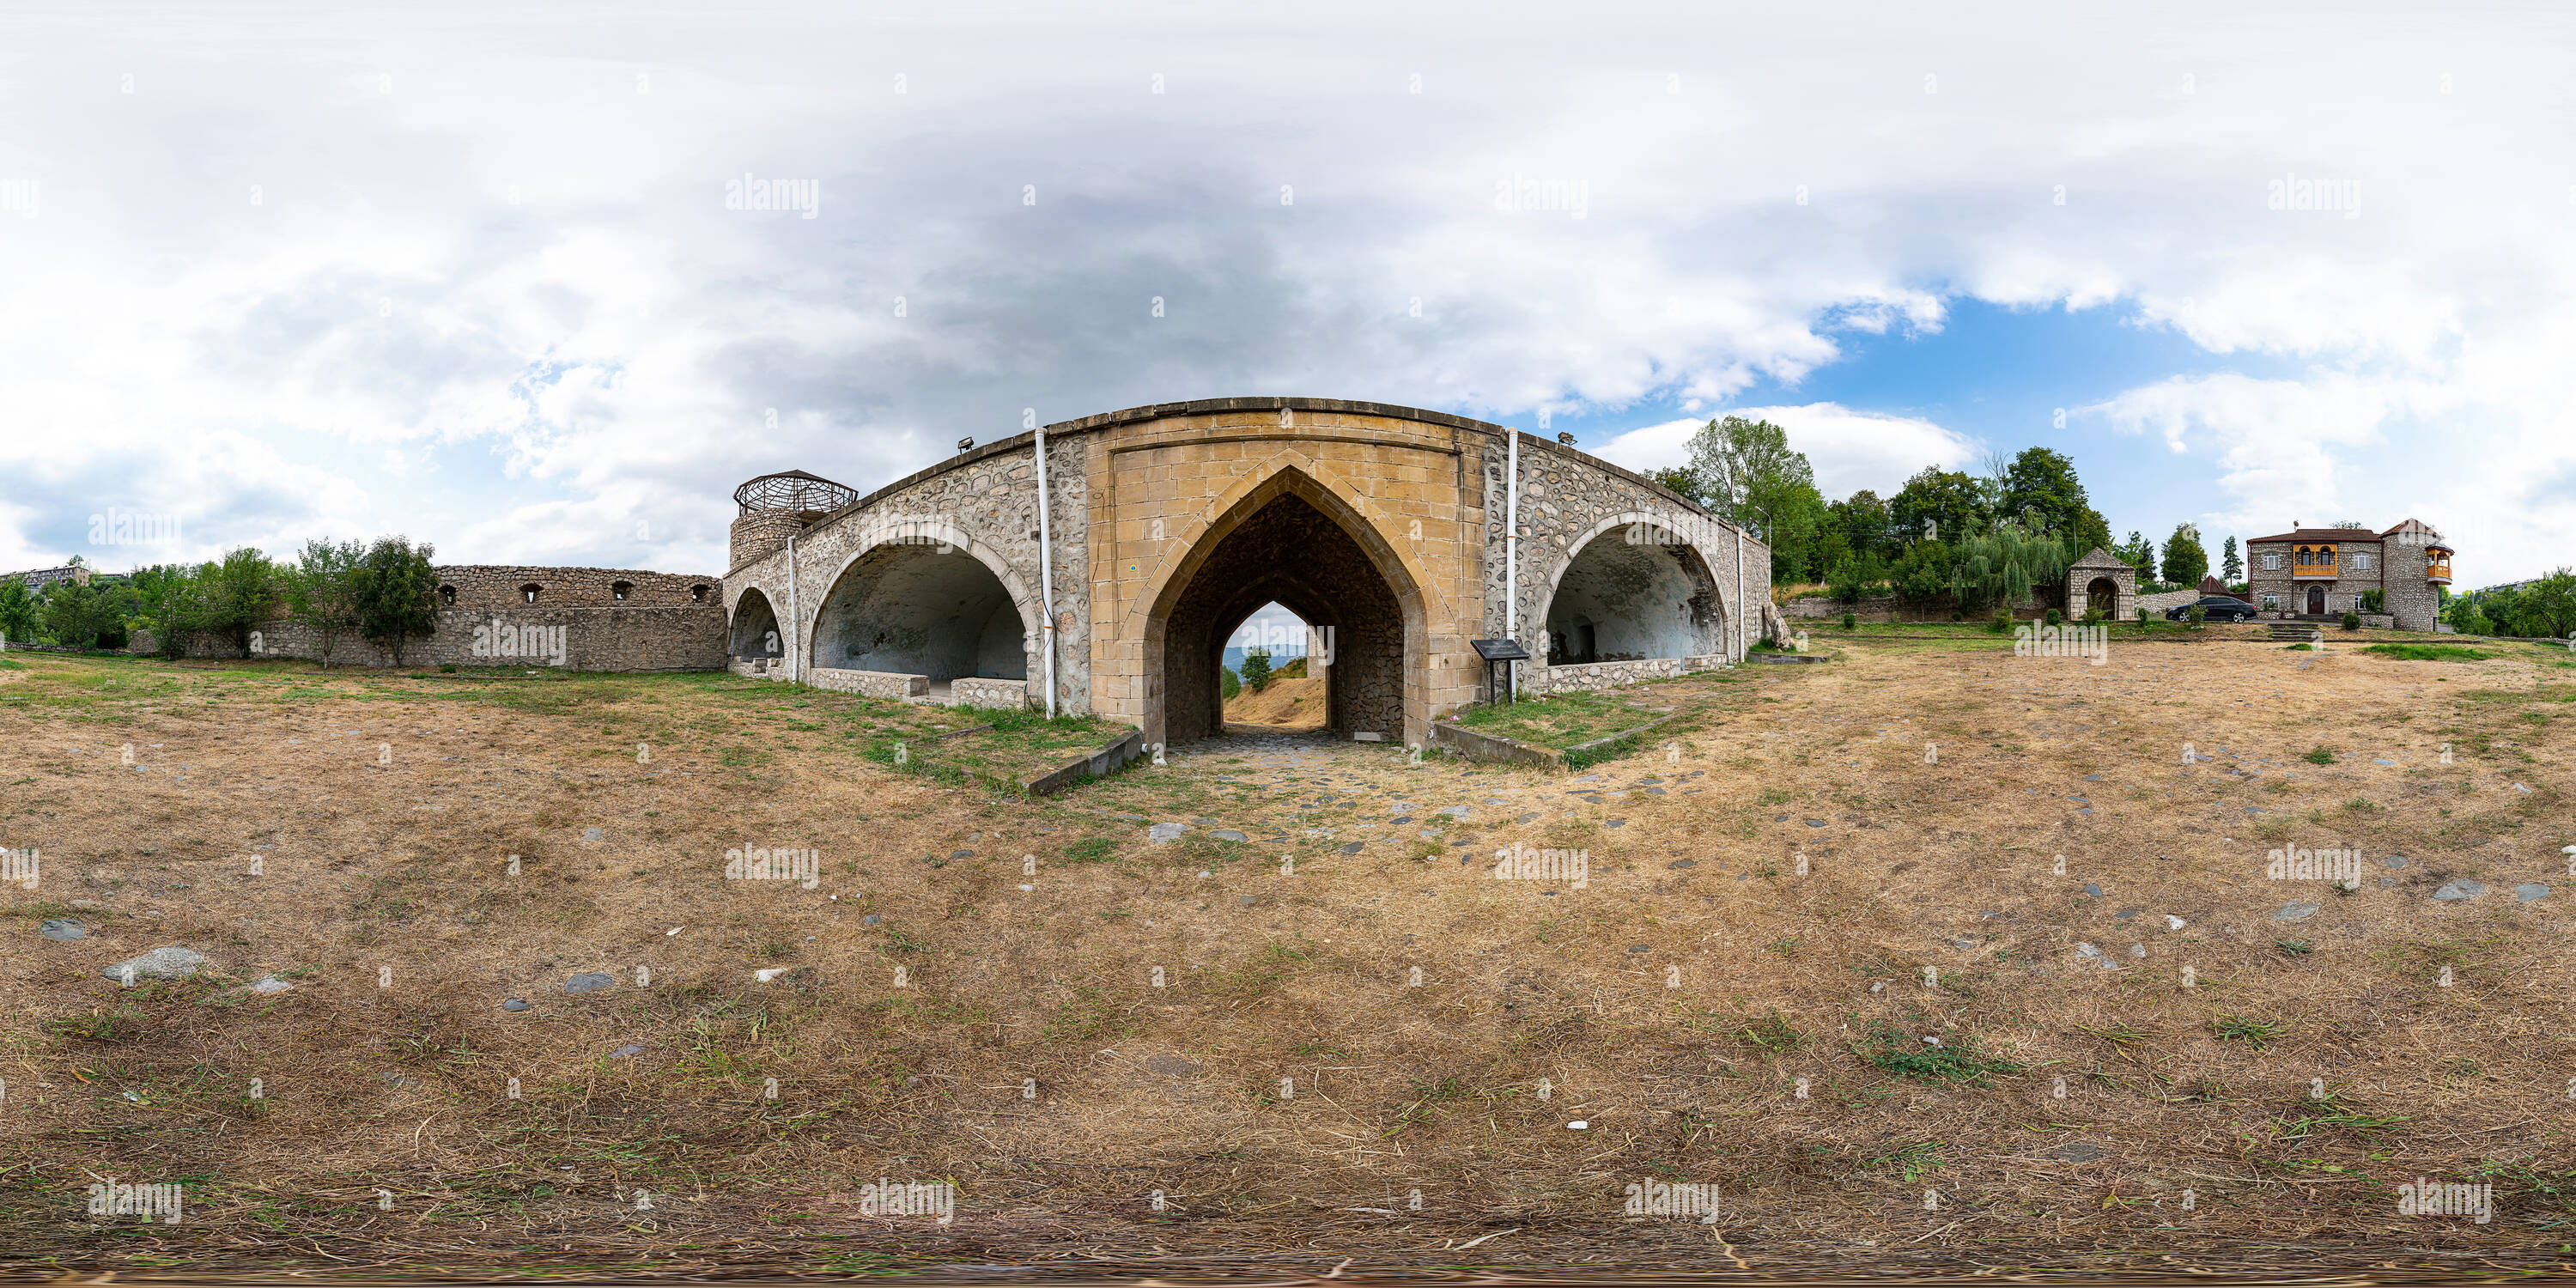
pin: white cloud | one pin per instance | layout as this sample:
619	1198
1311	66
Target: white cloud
1850	450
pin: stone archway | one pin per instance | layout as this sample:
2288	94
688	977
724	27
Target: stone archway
2102	595
754	634
1632	590
923	606
1290	539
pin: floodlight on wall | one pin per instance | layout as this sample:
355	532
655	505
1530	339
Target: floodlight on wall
965	443
1565	438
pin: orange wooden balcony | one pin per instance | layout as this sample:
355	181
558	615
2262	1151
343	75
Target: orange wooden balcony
2437	566
2325	570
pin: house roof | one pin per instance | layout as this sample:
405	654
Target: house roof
2100	558
2326	534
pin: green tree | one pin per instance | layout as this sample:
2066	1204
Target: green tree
1856	577
171	603
2185	561
76	614
1866	525
1681	480
1937	505
240	593
17	613
397	594
2549	604
2008	564
322	592
2042	494
2138	553
2231	565
1256	669
1923	573
1749	476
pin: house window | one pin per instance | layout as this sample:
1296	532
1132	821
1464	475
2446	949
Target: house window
619	590
2360	563
2271	601
2271	563
528	593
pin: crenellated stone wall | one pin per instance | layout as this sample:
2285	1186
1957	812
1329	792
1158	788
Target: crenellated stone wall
503	587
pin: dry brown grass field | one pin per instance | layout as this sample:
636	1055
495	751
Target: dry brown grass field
1821	954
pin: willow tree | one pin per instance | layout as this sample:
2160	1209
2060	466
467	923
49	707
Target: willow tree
2005	565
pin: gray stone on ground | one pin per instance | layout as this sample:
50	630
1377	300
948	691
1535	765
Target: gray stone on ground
1354	847
2095	955
161	963
1167	831
514	1004
1455	811
63	932
2529	891
1172	1066
1248	900
627	1051
589	982
594	834
2461	889
1229	834
2395	860
270	984
2296	909
870	919
2092	889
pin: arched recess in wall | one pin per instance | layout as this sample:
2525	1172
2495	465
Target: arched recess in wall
754	633
935	605
1631	589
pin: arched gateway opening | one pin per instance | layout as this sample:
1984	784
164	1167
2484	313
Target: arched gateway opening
1624	601
1291	542
921	608
2102	596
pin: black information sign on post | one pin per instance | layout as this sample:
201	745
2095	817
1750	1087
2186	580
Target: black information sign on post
1500	653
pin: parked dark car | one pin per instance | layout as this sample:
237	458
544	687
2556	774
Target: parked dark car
2216	608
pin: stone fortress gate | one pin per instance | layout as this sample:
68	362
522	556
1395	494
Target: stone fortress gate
1163	528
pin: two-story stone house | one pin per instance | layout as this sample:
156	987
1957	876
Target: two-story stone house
2324	572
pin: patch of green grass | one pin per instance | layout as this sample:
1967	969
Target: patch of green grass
1774	1034
2295	947
2302	648
2321	756
1091	849
2429	652
2259	1034
1916	1159
1559	720
1957	1060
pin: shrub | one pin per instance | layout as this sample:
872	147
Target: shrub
2053	617
1233	683
1958	616
2092	615
2198	615
2001	625
2352	621
1850	622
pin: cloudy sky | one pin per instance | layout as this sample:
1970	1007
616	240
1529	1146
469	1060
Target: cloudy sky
468	272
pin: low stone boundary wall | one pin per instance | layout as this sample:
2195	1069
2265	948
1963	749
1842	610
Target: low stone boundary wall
984	691
872	684
759	668
1581	677
673	637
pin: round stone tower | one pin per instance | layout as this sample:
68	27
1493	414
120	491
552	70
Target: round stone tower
775	507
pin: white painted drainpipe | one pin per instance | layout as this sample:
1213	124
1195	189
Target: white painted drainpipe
1046	574
1512	554
795	621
